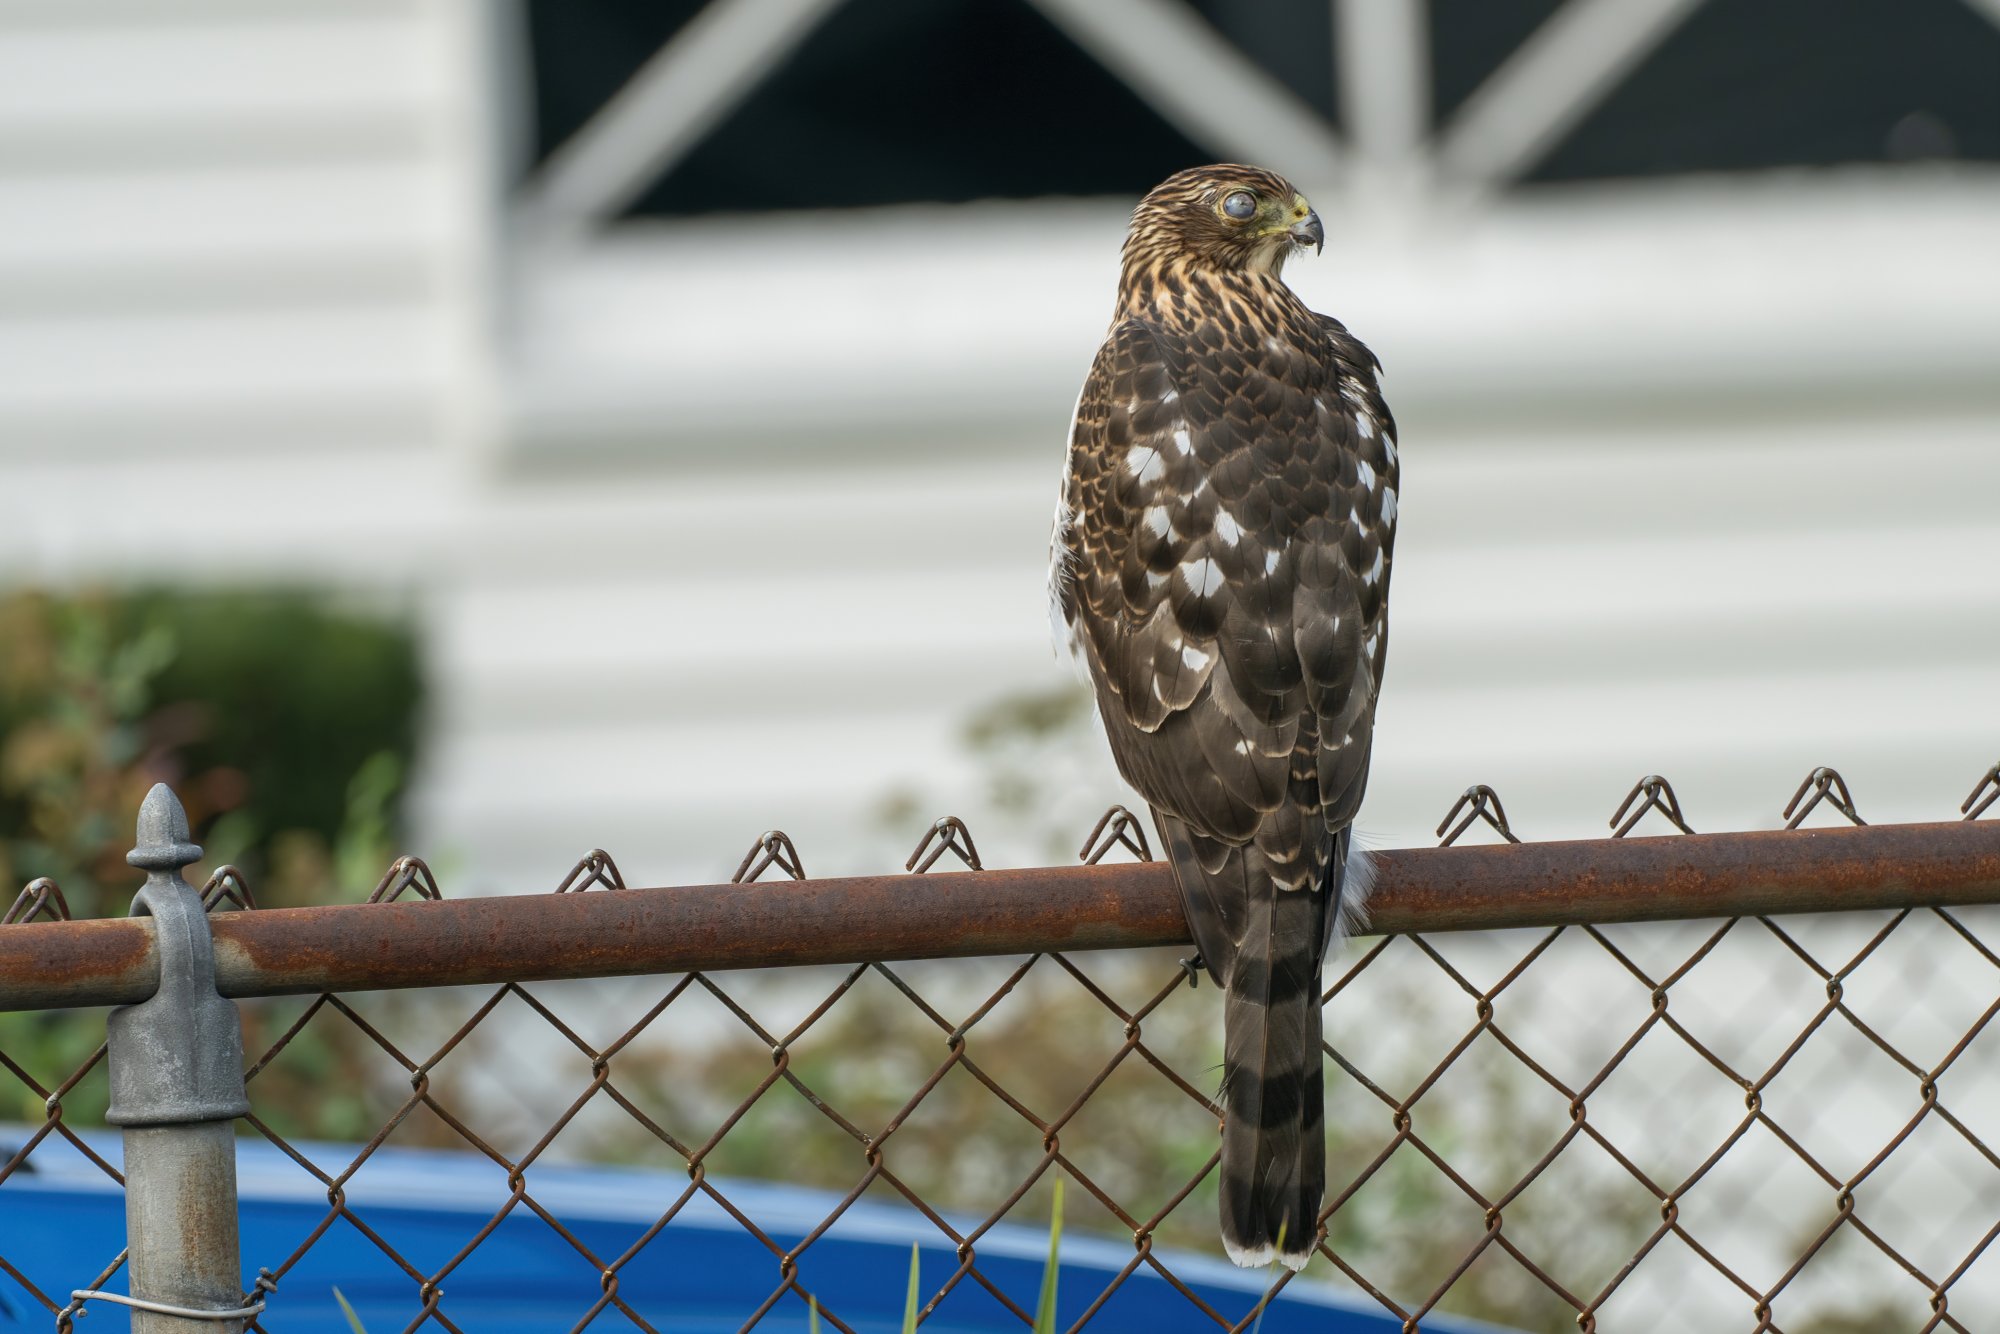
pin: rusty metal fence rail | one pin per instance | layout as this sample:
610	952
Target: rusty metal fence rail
1593	1085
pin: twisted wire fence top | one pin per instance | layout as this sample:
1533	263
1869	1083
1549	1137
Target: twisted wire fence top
1534	1126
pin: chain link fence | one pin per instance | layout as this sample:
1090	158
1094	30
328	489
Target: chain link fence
1745	1123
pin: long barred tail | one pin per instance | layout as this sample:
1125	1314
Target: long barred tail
1263	946
1273	1132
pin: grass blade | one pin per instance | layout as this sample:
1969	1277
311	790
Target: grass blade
812	1315
910	1306
353	1320
1045	1310
1264	1302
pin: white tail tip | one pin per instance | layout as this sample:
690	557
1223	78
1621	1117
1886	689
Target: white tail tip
1256	1257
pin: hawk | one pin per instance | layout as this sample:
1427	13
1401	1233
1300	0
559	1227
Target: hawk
1220	569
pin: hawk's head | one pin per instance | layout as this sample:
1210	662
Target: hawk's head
1226	216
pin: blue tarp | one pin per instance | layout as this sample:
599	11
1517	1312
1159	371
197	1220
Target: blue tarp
62	1221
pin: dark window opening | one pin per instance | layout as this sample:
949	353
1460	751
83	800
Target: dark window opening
1470	39
901	101
1291	39
1748	84
889	102
585	50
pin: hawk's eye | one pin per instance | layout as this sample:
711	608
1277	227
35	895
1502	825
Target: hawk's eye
1239	205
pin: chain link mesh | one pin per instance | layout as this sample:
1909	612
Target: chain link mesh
1739	1124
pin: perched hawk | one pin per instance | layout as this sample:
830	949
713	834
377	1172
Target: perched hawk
1220	566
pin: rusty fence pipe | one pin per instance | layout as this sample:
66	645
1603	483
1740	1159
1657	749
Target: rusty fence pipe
520	938
176	1074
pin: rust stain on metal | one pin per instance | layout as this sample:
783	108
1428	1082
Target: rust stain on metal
47	965
439	942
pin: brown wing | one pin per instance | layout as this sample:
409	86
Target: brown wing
1227	584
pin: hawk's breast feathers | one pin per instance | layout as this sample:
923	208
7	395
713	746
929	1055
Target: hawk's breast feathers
1224	539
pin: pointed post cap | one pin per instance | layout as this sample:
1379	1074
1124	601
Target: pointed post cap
164	843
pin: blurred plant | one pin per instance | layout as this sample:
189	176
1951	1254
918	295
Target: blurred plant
353	1320
74	753
1040	759
1045	1310
1872	1320
285	725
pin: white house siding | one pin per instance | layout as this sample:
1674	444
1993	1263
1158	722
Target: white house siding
1698	480
721	526
235	285
1699	476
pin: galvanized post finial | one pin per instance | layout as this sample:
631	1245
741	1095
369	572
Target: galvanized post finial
176	1073
164	842
178	1056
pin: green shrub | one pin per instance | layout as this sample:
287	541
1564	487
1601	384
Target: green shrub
285	722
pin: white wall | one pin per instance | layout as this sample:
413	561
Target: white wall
238	252
724	525
1699	479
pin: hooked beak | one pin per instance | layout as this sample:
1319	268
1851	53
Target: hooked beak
1308	232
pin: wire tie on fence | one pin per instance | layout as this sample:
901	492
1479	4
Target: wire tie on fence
1191	965
950	835
42	892
81	1295
593	868
1659	796
1989	779
1117	827
406	872
1485	803
227	885
774	847
1826	785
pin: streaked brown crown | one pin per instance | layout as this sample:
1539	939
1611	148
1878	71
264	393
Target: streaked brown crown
1181	219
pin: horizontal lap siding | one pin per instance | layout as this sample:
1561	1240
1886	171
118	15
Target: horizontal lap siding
1726	523
224	232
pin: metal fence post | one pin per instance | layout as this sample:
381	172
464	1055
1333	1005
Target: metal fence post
176	1066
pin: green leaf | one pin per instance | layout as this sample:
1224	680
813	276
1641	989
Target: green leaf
812	1315
353	1320
910	1306
1045	1310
